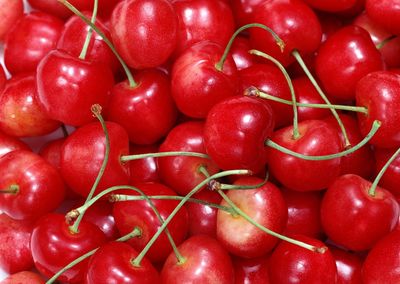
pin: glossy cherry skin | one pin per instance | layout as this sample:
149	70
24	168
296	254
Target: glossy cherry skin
349	266
9	143
294	22
265	205
200	20
112	263
21	114
251	270
151	24
33	36
23	277
54	246
128	214
83	153
391	178
269	79
143	170
147	111
354	219
196	84
243	10
11	11
235	132
74	34
331	6
240	53
290	263
379	93
41	188
303	213
358	57
206	261
68	87
382	262
15	252
187	136
316	138
3	78
385	13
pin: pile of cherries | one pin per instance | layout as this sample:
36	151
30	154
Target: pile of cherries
200	141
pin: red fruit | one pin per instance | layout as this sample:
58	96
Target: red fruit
23	277
151	25
243	10
10	12
9	144
349	266
391	178
251	270
331	6
143	170
240	53
385	13
3	78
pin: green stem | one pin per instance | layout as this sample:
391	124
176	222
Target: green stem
252	91
296	133
162	154
12	189
220	65
385	41
90	31
135	233
128	73
136	262
300	60
268	231
374	129
96	110
372	189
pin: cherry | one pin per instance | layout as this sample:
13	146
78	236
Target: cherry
54	246
294	22
358	57
290	263
349	266
331	6
23	277
15	252
265	205
316	138
151	24
251	270
197	84
235	132
30	186
384	13
112	263
391	177
187	136
243	10
355	218
146	169
200	20
3	78
205	261
9	143
33	36
10	13
240	53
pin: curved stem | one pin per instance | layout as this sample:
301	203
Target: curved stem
296	133
135	233
128	73
162	154
90	31
300	60
372	189
268	231
138	259
220	65
385	41
374	129
12	189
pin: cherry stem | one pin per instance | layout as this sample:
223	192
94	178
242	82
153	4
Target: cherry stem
12	189
296	133
96	110
128	73
300	60
268	231
372	190
374	129
90	31
253	91
162	154
138	259
220	65
137	232
385	41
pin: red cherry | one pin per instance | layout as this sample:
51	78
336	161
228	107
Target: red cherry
353	218
68	87
251	270
359	57
384	13
23	277
349	266
10	143
143	170
391	178
112	263
39	188
21	114
290	263
265	205
240	53
331	6
3	78
235	132
54	246
151	25
316	138
206	261
11	11
15	252
32	37
243	10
